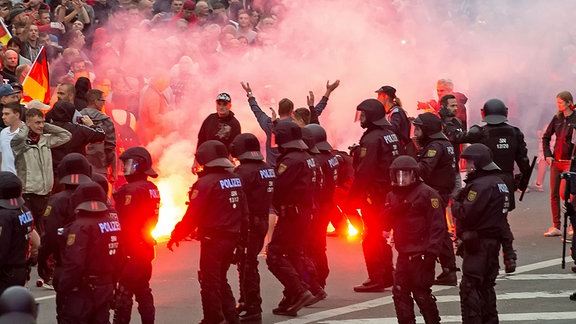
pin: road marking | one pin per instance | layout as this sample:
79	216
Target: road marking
510	296
549	276
44	297
319	316
516	317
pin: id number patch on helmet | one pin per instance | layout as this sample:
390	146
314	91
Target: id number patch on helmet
472	195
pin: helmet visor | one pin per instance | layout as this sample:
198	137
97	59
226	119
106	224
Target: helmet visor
403	178
130	166
360	116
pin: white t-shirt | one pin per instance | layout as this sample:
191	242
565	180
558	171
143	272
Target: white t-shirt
6	150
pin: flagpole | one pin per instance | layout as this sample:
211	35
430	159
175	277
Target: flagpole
36	59
5	28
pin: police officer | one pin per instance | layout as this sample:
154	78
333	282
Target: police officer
258	183
396	115
74	169
17	305
378	147
417	218
16	225
217	210
508	146
137	203
90	259
292	199
437	167
480	210
327	164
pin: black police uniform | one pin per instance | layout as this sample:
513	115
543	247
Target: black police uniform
258	183
16	224
138	205
418	220
400	123
480	211
378	147
90	259
508	146
217	210
437	167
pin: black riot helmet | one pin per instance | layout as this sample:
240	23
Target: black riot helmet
494	112
137	160
404	171
319	136
310	140
101	181
213	153
481	155
289	135
374	113
74	169
17	299
430	124
89	197
10	191
246	147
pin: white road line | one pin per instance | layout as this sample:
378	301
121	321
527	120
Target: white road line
548	276
516	317
44	297
510	296
319	316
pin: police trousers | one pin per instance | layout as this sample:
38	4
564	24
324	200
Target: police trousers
12	276
88	304
248	265
134	282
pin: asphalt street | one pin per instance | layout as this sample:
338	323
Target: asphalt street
537	293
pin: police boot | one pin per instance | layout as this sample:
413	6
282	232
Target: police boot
447	278
510	265
305	298
282	308
249	313
370	286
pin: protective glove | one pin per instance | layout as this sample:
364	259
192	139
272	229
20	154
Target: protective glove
172	242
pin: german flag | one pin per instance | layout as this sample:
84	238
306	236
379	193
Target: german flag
36	84
4	34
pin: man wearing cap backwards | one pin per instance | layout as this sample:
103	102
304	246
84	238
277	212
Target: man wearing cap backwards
74	170
16	223
293	201
437	167
395	114
480	210
90	258
138	204
378	147
218	212
33	160
258	182
508	147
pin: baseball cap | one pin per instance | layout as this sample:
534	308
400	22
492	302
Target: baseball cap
388	90
6	90
224	97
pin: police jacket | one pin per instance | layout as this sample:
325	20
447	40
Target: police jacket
562	127
217	206
328	163
400	123
294	179
92	253
482	205
378	147
418	219
258	184
222	129
437	165
16	225
57	215
138	205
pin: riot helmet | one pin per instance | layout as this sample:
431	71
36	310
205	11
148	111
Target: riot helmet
17	299
494	112
137	160
371	112
89	197
319	136
308	138
213	153
74	169
404	171
101	181
430	124
10	191
289	135
481	156
246	147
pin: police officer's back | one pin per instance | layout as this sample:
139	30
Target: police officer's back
16	225
90	260
218	212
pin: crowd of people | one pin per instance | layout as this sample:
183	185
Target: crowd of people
401	183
